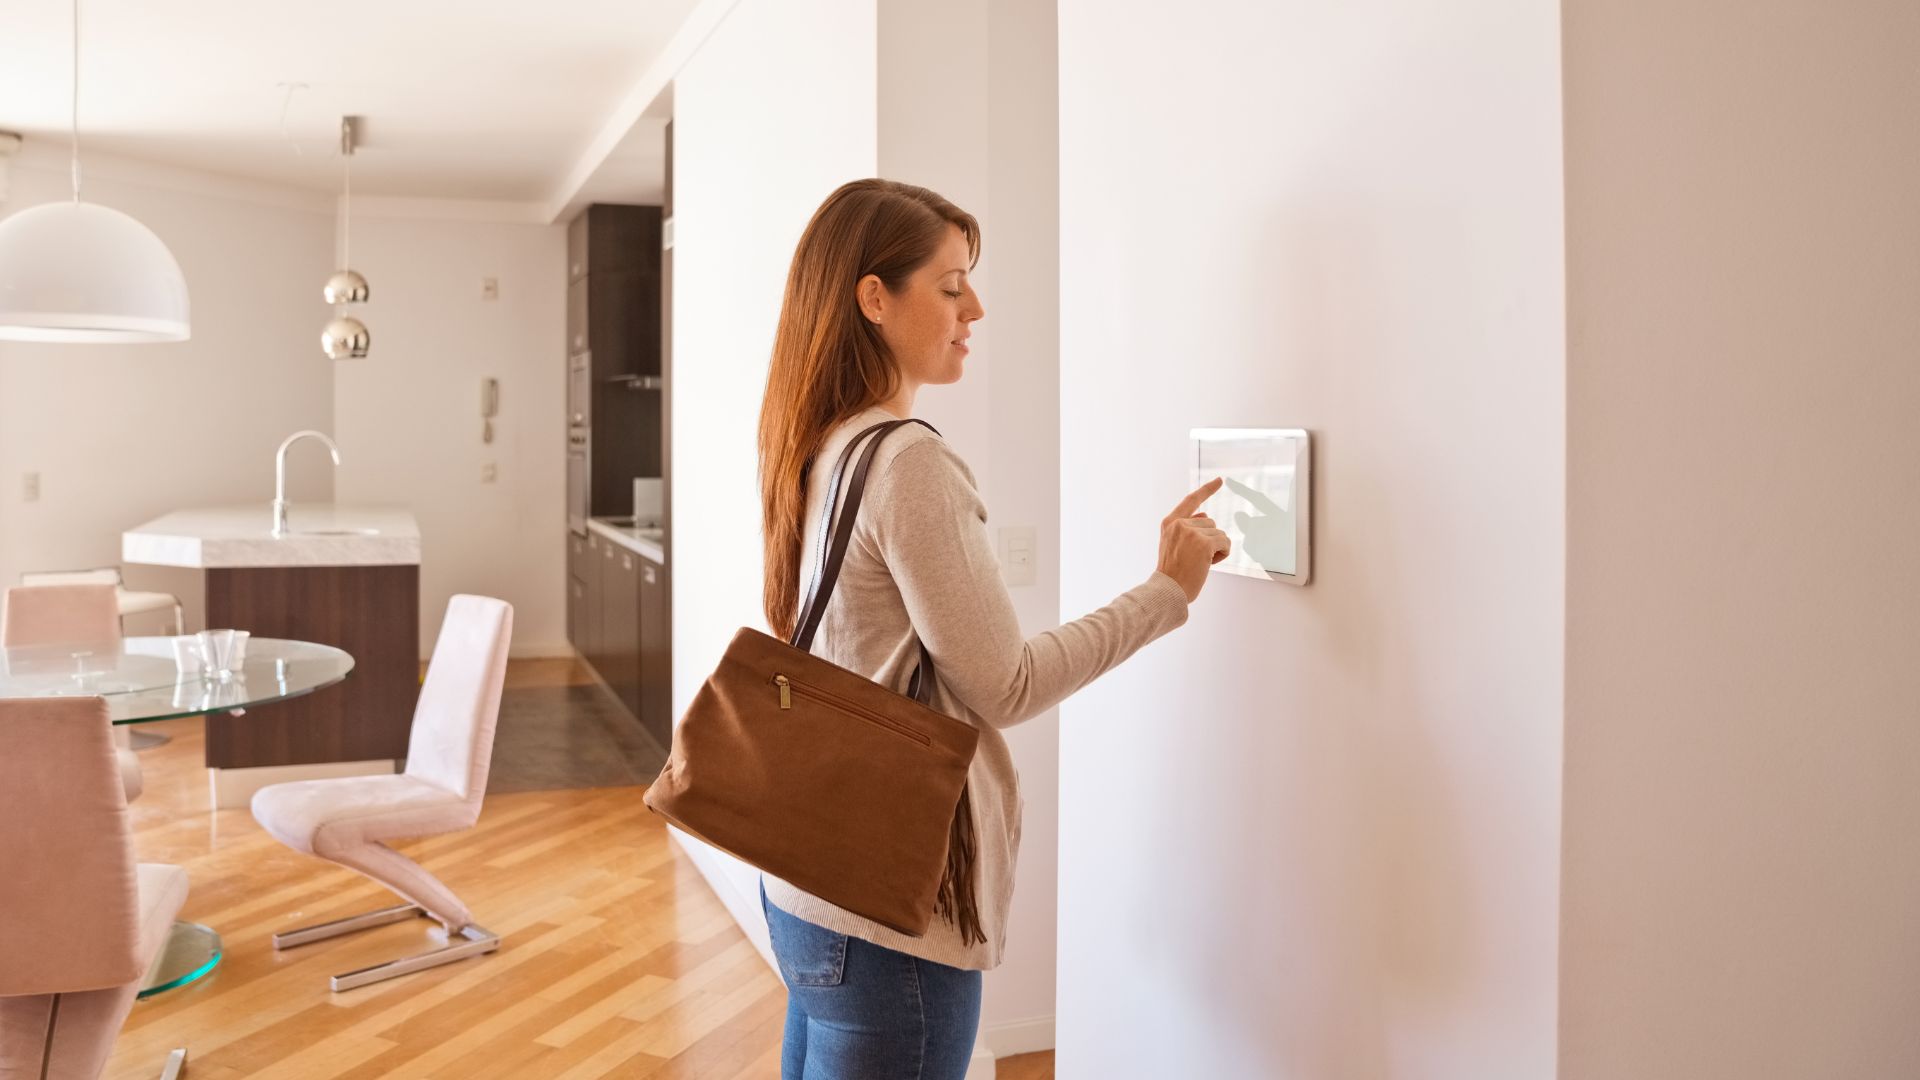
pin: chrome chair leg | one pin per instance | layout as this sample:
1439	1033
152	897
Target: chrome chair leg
287	939
478	941
176	1065
473	941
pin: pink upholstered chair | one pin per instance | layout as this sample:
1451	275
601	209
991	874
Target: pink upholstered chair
71	614
58	614
129	601
350	820
81	922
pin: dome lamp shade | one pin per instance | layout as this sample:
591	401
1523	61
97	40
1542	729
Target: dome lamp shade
82	272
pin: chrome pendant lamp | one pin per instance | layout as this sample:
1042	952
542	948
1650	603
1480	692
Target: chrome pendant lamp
85	273
346	337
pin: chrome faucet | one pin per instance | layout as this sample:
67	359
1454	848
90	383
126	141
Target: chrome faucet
280	475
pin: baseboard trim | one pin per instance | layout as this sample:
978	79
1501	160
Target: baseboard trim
1018	1037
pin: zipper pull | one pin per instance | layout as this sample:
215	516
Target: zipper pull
786	691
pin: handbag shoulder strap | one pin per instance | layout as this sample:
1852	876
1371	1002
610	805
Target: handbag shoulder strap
826	524
836	534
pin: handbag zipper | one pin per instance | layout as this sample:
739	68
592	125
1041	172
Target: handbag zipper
788	686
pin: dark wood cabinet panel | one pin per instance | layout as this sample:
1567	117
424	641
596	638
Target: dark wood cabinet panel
656	654
623	322
617	236
620	626
617	296
592	647
618	448
373	612
613	317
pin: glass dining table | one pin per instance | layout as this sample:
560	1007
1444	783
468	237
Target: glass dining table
141	681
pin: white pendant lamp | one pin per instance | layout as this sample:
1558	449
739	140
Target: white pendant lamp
345	337
86	273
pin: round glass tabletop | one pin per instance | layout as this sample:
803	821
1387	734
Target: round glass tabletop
140	680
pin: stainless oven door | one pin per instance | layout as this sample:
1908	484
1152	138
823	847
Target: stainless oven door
577	482
579	389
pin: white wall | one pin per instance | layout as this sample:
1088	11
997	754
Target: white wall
1743	708
407	416
1315	833
770	115
122	434
993	149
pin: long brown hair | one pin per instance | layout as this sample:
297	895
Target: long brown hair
829	362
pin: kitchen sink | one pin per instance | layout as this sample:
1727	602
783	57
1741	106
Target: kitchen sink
333	532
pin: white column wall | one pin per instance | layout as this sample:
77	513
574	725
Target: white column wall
1315	832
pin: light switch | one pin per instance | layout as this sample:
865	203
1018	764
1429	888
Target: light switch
1018	550
490	288
489	472
30	487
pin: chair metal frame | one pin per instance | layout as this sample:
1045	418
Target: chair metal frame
478	941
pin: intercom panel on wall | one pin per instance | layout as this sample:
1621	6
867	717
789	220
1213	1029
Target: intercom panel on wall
1265	504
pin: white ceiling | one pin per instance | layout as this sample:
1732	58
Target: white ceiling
462	99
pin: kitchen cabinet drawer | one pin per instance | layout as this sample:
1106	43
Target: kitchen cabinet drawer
577	614
576	556
656	654
591	646
620	625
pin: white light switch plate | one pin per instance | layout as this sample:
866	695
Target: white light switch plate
1019	547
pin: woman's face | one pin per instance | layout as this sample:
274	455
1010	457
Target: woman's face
926	323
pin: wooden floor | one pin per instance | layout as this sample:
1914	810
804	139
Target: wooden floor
618	960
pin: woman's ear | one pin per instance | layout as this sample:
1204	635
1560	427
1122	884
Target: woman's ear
872	294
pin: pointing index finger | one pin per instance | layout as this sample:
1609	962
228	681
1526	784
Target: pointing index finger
1199	495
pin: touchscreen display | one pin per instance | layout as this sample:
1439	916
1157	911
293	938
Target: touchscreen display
1262	504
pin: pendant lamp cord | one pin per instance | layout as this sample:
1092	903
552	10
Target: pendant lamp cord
76	100
346	186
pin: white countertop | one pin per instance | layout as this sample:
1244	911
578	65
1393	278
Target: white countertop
319	534
645	543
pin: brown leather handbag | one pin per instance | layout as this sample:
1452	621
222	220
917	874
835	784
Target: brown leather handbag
822	777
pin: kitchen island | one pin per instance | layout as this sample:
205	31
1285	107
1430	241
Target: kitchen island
346	576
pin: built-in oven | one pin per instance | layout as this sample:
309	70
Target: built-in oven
579	409
577	480
579	390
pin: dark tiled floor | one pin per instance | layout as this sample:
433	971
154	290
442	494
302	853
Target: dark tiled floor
553	737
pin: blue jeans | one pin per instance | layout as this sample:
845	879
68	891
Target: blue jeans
858	1011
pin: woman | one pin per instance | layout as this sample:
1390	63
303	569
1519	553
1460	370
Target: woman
878	304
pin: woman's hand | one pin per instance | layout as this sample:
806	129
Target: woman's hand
1190	542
